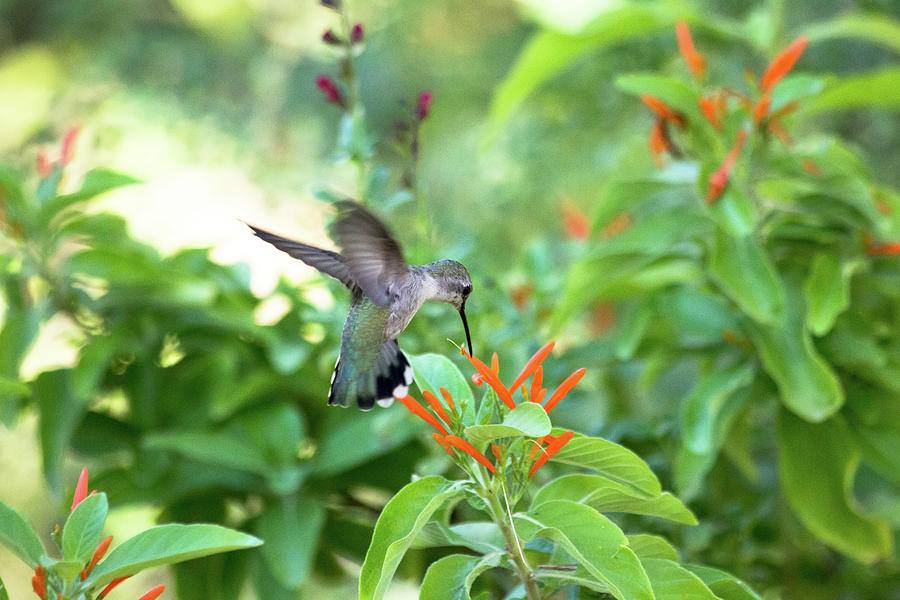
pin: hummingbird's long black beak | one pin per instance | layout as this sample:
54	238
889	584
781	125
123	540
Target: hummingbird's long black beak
462	315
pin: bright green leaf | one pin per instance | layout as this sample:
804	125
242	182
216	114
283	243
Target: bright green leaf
166	545
701	409
594	541
605	495
875	28
818	462
671	581
672	91
610	460
451	577
827	290
84	527
398	525
646	546
19	536
879	89
435	371
528	419
724	585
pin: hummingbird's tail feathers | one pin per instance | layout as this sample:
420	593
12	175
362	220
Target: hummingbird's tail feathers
390	374
326	261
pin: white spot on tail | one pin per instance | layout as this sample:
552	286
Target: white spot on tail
384	402
400	391
408	376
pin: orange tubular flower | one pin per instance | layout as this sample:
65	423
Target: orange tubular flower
762	108
112	585
102	547
537	380
448	398
80	488
417	409
39	583
782	64
556	443
564	388
709	105
719	179
153	594
890	249
469	449
489	376
531	366
435	405
495	449
695	61
444	443
575	221
662	109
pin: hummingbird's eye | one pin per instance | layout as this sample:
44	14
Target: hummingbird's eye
467	289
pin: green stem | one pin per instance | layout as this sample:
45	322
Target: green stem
504	521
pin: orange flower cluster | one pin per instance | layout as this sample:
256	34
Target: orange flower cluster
534	393
714	106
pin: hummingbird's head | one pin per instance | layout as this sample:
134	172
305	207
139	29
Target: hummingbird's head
454	286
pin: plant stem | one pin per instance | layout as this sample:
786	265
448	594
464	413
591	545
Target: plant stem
514	546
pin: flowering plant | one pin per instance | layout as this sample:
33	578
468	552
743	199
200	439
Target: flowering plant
560	537
79	567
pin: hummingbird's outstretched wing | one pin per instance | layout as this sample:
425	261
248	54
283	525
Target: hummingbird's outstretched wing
326	261
373	256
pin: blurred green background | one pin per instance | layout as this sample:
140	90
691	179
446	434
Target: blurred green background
213	106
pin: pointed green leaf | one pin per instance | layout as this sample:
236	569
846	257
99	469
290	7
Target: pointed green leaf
290	529
397	526
84	527
610	460
594	541
872	27
875	89
19	536
166	545
528	419
671	581
451	577
646	546
435	371
706	401
674	92
827	290
724	585
4	595
61	412
818	463
481	536
740	266
806	382
96	182
605	495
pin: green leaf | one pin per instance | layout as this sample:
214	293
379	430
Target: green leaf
820	488
631	331
60	413
435	371
827	290
880	89
290	528
646	546
19	536
548	52
83	528
806	383
96	182
594	541
397	526
671	581
451	577
481	536
4	595
166	545
609	459
528	419
742	269
724	585
873	27
605	495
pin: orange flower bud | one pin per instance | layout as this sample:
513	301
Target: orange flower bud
695	61
782	64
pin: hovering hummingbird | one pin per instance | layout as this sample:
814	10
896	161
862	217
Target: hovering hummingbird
386	293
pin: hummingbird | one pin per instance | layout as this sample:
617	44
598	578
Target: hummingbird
386	293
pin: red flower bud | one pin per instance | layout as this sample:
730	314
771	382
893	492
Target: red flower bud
332	94
68	145
80	488
330	38
695	61
44	164
112	585
423	105
782	64
154	593
356	34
